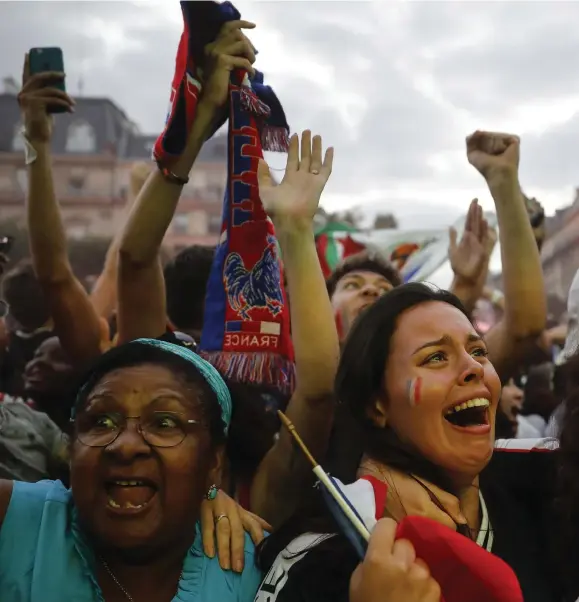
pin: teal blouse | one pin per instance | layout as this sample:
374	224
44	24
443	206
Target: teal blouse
45	558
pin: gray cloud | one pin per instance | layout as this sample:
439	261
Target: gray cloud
517	52
551	160
348	70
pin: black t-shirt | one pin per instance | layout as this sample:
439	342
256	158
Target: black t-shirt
517	488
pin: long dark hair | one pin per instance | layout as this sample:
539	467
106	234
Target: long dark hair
359	382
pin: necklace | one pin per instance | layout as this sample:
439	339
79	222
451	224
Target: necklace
118	583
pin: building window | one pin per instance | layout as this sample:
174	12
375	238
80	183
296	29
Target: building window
214	224
18	139
215	193
77	231
22	179
80	138
181	224
76	181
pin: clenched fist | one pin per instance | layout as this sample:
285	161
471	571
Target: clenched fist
493	154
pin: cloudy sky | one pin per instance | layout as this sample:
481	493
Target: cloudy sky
394	86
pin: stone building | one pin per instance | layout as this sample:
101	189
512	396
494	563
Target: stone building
560	254
560	258
93	151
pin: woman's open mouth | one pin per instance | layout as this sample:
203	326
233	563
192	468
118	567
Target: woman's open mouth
470	416
129	496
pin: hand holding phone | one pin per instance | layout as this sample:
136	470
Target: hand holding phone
42	93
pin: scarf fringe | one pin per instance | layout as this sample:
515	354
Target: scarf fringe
274	139
259	368
252	104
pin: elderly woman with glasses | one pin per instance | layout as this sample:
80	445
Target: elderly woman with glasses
147	447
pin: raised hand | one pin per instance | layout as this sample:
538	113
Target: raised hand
391	572
469	256
491	241
231	50
34	98
493	153
298	195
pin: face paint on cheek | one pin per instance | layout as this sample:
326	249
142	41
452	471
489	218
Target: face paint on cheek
414	387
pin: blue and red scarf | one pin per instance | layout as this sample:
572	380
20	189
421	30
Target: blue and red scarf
246	330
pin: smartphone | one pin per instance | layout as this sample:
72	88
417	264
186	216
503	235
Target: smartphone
6	243
48	59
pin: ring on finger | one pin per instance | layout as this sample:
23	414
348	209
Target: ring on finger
315	171
221	516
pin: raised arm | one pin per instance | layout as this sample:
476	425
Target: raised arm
496	157
104	293
76	322
283	474
141	288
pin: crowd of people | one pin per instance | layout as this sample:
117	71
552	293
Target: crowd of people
142	452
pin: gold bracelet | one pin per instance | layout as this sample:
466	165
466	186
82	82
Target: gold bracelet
171	177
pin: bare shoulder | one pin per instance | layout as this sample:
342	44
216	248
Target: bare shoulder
5	495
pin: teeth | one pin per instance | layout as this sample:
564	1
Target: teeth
126	506
129	505
129	483
472	403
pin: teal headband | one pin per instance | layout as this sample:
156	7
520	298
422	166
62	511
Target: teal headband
205	369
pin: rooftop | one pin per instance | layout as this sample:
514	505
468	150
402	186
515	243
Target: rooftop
98	126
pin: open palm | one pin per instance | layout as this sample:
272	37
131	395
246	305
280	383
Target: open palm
469	256
298	194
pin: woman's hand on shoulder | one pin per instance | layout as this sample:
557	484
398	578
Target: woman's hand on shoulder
390	571
224	521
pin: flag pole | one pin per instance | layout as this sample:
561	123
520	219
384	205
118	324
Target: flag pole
326	480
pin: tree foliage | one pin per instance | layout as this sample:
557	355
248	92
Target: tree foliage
384	221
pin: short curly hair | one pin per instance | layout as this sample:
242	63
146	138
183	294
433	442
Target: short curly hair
365	261
186	277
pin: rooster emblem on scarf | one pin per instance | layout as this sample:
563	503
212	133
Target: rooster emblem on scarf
258	287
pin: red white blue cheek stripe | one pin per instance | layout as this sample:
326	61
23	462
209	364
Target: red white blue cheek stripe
414	389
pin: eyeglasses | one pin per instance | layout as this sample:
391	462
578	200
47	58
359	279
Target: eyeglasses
158	429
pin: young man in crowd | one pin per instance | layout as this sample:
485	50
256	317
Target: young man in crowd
356	284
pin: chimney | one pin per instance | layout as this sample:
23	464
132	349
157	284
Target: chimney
10	86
